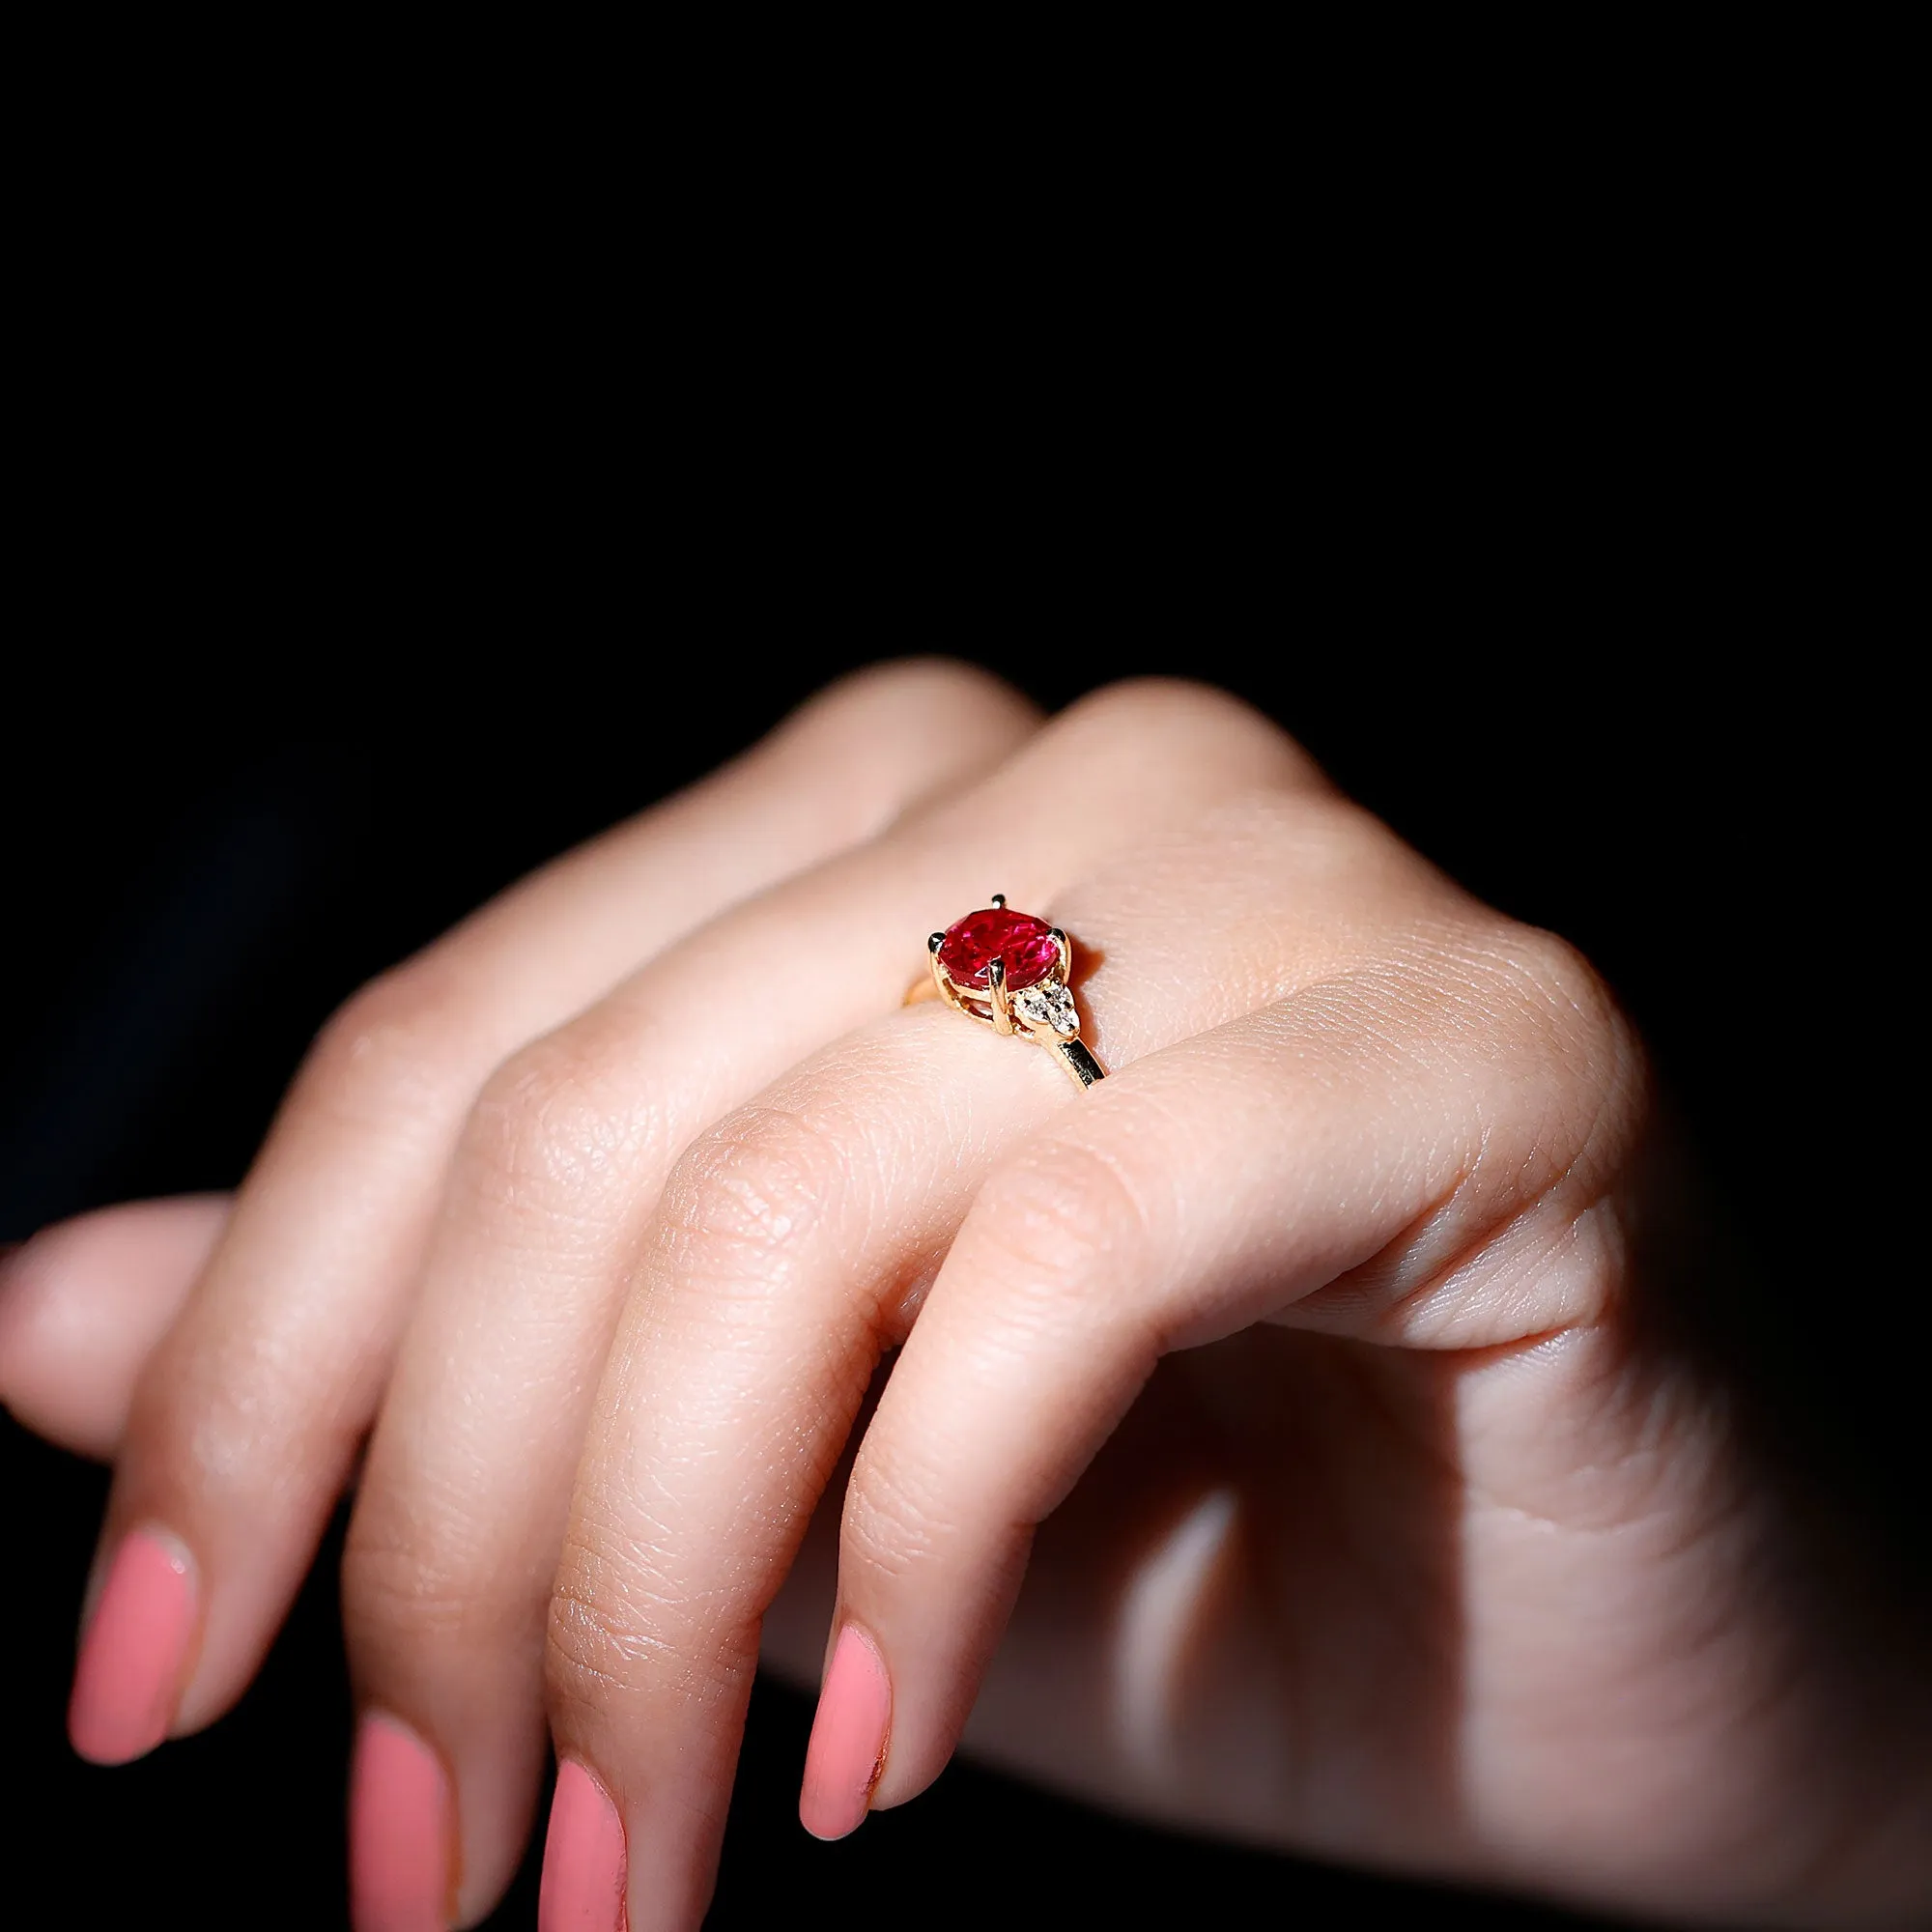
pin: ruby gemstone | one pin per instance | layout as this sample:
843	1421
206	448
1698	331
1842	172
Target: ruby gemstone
972	943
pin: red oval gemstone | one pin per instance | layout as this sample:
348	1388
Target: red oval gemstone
1024	943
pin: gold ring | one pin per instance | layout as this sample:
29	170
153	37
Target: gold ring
1010	971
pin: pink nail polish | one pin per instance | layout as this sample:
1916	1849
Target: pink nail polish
134	1653
583	1858
847	1751
400	1838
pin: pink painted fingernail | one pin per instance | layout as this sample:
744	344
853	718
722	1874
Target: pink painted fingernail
583	1858
400	1868
847	1751
134	1653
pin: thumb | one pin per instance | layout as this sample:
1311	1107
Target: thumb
82	1306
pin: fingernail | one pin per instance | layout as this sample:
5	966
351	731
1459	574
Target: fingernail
400	1869
133	1657
583	1858
847	1751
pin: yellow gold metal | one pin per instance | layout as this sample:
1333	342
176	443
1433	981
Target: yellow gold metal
941	981
1082	1068
996	988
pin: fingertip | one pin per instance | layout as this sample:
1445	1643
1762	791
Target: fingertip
846	1756
82	1306
401	1845
585	1857
134	1651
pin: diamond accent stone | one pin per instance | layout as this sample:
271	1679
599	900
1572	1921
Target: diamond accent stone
1048	1004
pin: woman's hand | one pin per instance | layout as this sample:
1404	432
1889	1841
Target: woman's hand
1367	1525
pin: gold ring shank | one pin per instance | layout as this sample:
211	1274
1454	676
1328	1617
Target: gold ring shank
1082	1068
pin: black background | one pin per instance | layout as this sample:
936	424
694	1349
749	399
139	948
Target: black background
191	891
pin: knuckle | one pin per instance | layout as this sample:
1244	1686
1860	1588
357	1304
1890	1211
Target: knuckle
387	1050
1055	1216
745	1195
1556	983
1572	1042
882	729
1176	718
550	1120
928	691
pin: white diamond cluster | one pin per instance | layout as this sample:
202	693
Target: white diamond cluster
1048	1005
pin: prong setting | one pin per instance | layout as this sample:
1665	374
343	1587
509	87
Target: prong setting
996	988
943	979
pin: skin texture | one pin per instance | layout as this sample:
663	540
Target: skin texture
1305	1372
